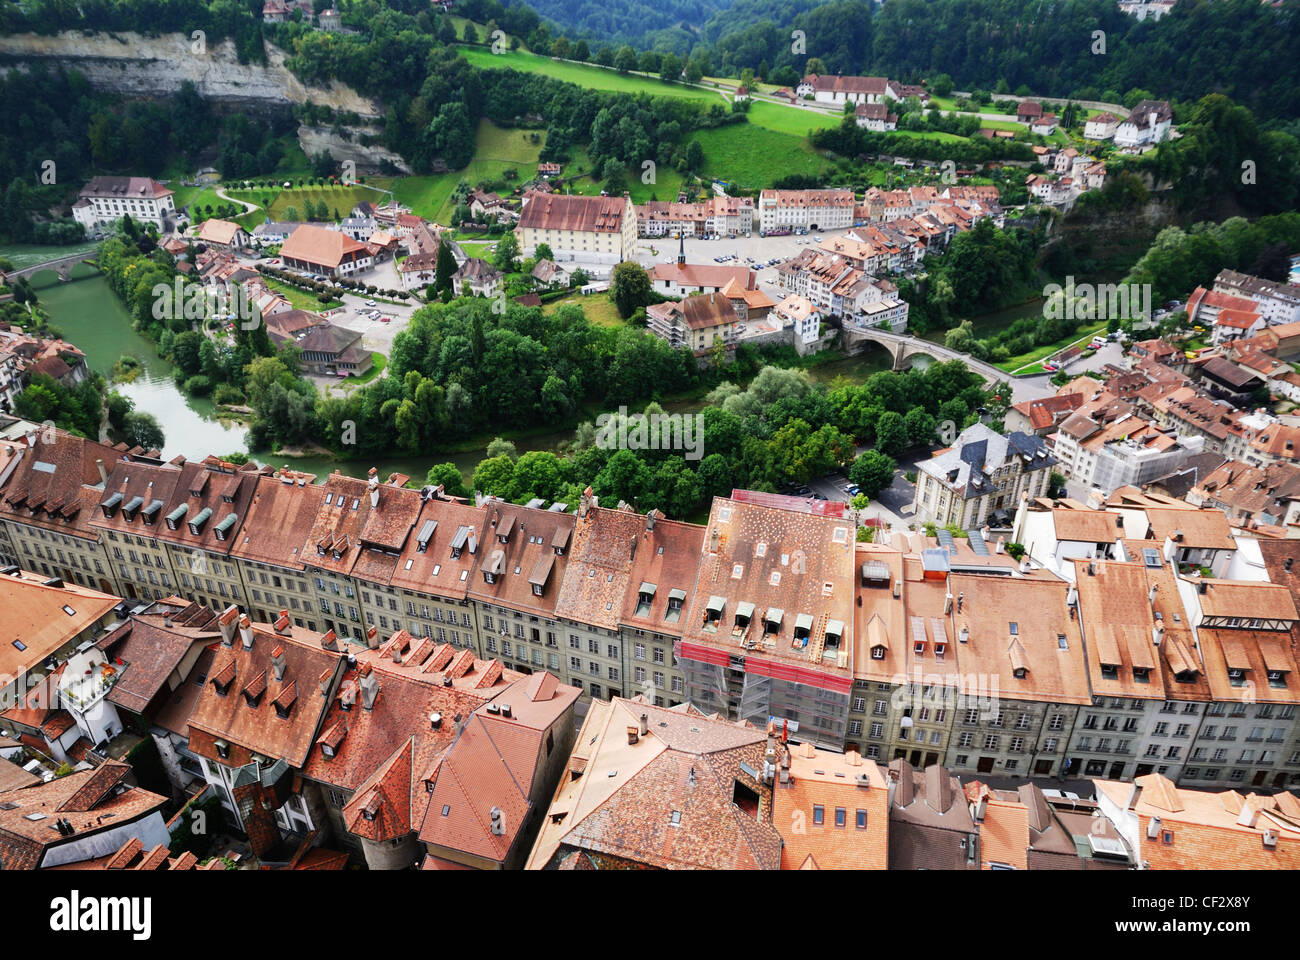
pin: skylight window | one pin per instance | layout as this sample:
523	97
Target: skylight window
20	645
737	571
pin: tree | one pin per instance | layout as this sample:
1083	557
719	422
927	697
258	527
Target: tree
815	65
543	252
625	60
693	72
670	70
942	85
629	287
891	433
142	429
444	268
447	475
470	35
581	52
501	448
506	252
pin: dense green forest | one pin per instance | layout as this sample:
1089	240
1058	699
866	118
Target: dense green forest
56	132
1241	48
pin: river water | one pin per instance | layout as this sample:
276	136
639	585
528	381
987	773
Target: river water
90	316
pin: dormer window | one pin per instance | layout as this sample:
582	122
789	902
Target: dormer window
803	624
1019	673
132	507
713	611
1236	677
110	505
1109	671
772	621
174	518
223	749
223	529
1277	678
676	598
877	653
196	525
1142	674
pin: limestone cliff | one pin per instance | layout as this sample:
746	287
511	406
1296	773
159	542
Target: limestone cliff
140	66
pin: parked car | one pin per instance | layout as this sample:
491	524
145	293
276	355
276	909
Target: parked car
1051	367
370	303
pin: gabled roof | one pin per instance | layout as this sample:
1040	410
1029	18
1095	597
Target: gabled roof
664	801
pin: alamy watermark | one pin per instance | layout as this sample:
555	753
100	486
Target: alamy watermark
656	431
1103	301
192	301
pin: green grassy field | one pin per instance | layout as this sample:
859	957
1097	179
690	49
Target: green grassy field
496	150
339	198
597	308
750	157
799	121
301	299
584	75
1031	362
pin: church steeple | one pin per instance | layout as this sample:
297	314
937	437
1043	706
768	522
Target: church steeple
681	248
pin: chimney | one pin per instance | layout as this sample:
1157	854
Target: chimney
947	603
246	632
282	623
228	622
498	822
330	641
277	662
435	721
369	686
633	735
963	635
458	722
961	599
1134	797
1151	594
1072	595
1157	633
325	679
103	474
644	725
1001	545
397	653
1169	549
374	487
372	638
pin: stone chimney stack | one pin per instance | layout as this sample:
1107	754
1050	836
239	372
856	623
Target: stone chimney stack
369	687
374	487
246	632
229	623
372	638
278	664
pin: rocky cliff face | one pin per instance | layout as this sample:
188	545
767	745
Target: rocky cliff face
314	140
139	66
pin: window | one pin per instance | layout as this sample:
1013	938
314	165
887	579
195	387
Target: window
861	819
819	815
991	742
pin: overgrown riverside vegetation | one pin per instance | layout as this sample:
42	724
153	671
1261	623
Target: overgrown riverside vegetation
779	430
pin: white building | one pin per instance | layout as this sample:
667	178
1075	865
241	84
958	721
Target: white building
1100	127
105	200
805	209
1149	123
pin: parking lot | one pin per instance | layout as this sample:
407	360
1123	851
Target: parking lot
761	249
